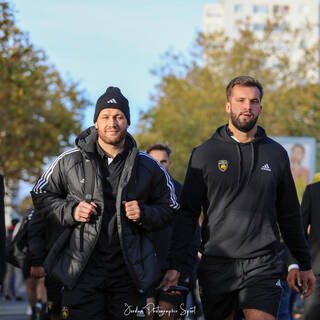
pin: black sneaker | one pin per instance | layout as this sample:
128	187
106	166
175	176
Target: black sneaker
44	314
33	316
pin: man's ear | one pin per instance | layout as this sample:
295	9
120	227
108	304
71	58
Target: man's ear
95	124
260	109
228	107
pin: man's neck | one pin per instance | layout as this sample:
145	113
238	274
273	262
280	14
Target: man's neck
241	136
111	150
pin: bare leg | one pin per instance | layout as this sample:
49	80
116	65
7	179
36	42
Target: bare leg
254	314
166	310
31	291
150	304
41	290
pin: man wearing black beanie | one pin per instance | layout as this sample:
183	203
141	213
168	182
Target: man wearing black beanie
111	195
112	98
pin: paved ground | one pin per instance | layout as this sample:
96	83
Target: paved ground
13	310
17	310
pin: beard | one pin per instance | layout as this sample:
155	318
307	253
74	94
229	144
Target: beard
243	126
114	141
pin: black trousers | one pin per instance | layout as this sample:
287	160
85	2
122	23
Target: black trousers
93	299
312	303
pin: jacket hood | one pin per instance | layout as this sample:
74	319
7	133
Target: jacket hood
86	140
224	134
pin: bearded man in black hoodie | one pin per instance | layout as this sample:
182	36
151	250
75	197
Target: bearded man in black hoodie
241	179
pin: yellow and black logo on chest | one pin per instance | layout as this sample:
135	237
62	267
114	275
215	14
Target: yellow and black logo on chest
223	165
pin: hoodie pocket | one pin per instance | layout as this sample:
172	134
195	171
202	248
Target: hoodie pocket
239	233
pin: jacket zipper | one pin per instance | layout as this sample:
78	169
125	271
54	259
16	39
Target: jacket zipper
81	236
122	185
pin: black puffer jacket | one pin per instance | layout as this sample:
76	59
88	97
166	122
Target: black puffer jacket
61	187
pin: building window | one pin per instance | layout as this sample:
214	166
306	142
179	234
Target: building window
280	47
238	8
302	44
259	26
280	9
260	9
212	13
281	27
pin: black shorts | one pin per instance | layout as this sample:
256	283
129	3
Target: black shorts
232	284
54	289
26	270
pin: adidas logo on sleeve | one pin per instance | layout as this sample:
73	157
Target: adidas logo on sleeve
266	167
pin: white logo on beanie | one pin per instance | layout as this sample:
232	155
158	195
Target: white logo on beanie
112	101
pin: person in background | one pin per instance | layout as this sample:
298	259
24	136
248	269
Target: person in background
2	233
287	297
13	274
297	154
41	237
35	288
310	207
169	305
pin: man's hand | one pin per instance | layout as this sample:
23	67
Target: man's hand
133	211
84	210
170	279
308	283
304	280
294	279
37	272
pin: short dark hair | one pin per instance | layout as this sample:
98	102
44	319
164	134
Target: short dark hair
160	146
246	81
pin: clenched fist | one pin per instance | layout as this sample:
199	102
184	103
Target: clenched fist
84	210
133	211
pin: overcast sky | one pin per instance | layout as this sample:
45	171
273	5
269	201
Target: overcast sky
111	43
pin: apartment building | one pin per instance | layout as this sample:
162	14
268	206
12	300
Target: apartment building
225	16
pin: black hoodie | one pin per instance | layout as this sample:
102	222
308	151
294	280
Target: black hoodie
246	191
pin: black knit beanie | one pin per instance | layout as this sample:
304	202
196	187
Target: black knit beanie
112	98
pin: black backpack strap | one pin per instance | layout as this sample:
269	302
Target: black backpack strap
88	179
88	190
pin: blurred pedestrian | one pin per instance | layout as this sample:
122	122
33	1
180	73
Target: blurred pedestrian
2	233
41	237
310	208
166	304
12	285
35	288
